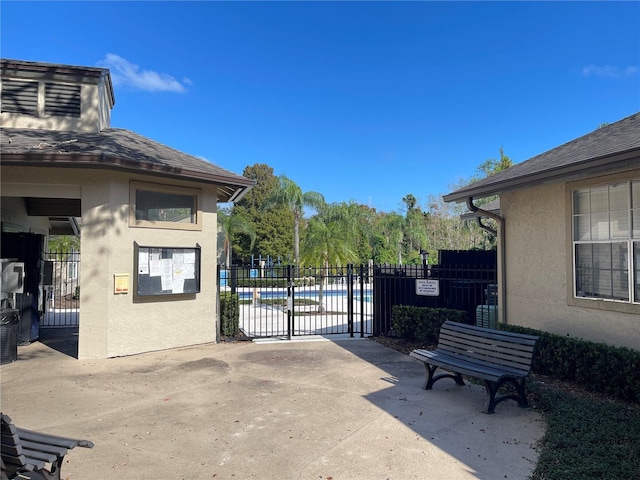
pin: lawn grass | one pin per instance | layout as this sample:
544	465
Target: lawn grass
586	438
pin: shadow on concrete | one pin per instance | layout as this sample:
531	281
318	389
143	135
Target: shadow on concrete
450	418
62	339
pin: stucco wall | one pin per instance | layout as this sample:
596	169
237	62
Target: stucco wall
15	219
116	325
537	237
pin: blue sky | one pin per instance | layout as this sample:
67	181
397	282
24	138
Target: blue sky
363	101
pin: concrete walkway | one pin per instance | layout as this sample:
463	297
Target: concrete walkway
339	409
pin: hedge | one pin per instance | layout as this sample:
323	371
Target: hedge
275	282
421	323
229	314
597	367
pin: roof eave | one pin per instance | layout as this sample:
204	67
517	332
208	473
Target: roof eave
236	185
617	162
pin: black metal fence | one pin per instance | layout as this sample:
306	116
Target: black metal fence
285	301
468	287
282	301
62	289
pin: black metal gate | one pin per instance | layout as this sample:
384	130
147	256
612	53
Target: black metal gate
62	289
285	301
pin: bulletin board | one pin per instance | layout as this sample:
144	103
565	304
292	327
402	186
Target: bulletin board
166	270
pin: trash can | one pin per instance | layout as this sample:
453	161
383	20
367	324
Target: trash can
9	323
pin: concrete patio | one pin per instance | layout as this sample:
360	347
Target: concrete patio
325	409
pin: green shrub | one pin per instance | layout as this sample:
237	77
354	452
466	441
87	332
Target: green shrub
598	367
229	314
277	282
422	323
262	282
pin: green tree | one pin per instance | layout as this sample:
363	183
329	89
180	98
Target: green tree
233	225
329	237
325	243
64	243
389	238
273	227
415	237
359	222
288	194
493	165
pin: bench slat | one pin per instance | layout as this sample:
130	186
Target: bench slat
490	338
489	348
17	460
34	456
499	358
50	449
10	448
477	369
47	439
489	333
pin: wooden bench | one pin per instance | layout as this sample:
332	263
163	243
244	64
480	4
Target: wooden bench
495	356
33	455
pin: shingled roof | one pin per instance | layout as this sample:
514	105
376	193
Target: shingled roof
614	147
115	149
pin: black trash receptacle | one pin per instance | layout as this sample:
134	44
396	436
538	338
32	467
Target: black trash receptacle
9	323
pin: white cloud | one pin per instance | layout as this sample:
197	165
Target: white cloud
125	73
610	71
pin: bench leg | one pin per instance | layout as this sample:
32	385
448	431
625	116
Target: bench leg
490	403
431	378
492	390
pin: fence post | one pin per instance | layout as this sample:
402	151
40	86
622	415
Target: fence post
350	298
361	300
233	281
290	320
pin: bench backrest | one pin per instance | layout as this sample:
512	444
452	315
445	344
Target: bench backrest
12	454
505	349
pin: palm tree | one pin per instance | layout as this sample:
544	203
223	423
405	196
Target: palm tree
325	242
288	194
231	225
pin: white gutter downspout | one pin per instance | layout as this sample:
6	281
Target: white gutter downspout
502	263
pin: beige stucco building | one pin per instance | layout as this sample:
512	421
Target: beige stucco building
569	236
147	212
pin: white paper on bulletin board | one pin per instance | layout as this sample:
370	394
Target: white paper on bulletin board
167	270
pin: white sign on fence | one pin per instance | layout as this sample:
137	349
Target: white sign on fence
429	288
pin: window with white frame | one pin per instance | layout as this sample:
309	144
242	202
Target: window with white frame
72	265
606	242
